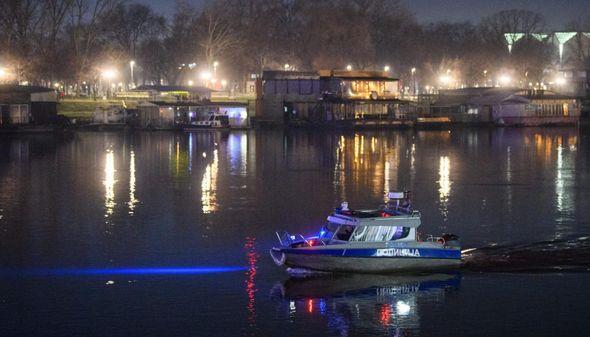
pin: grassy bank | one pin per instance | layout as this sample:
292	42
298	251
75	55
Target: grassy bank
84	107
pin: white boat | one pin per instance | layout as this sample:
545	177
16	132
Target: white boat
213	121
385	240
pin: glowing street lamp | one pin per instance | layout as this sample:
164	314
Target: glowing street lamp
206	75
223	83
505	79
109	74
131	65
560	80
287	66
386	68
445	79
190	83
215	65
349	67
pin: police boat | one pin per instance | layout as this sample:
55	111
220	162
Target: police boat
384	240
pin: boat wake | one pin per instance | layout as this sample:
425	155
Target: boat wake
565	255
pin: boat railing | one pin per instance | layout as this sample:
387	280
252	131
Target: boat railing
287	239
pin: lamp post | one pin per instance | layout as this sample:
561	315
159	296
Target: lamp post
413	71
131	65
109	74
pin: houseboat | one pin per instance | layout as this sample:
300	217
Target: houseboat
384	240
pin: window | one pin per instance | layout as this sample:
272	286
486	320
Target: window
380	233
344	232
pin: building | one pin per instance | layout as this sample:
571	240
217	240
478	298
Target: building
170	115
504	106
167	93
328	97
27	105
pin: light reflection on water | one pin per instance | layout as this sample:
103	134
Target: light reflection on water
109	183
532	183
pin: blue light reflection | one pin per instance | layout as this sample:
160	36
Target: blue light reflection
119	271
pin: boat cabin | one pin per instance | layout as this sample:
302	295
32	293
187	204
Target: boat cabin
346	226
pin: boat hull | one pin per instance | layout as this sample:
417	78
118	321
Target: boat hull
366	261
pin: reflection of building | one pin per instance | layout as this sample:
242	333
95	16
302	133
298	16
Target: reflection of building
504	107
27	105
329	96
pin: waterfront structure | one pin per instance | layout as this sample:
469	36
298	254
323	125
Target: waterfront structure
21	105
170	115
330	97
167	93
504	106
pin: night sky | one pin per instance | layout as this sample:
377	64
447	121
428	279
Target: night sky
557	12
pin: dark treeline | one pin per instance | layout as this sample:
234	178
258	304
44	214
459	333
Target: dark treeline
73	41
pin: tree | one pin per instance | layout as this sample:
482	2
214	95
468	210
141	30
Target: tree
216	33
85	28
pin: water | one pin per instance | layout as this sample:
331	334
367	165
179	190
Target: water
167	234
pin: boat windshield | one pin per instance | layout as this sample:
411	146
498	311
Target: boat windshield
344	232
328	230
379	233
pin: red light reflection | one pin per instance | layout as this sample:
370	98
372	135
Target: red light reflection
385	314
252	259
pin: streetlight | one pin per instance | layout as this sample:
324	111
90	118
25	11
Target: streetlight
190	83
386	68
287	66
413	71
349	67
109	74
131	65
215	65
505	79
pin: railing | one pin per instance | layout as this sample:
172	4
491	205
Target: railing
287	239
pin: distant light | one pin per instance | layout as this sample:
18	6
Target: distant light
109	74
413	71
223	83
215	64
206	75
190	83
445	79
287	66
349	67
132	63
387	68
204	155
213	80
505	79
560	81
56	85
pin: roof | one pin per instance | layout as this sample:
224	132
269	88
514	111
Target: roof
357	75
198	103
11	88
493	96
289	75
171	88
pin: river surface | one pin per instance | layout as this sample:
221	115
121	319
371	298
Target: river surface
167	234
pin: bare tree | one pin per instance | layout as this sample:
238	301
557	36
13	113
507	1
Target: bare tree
217	35
20	19
85	30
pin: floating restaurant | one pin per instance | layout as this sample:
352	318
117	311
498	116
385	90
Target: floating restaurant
330	97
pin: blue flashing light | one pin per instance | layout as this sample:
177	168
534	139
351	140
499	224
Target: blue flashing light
120	271
322	233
